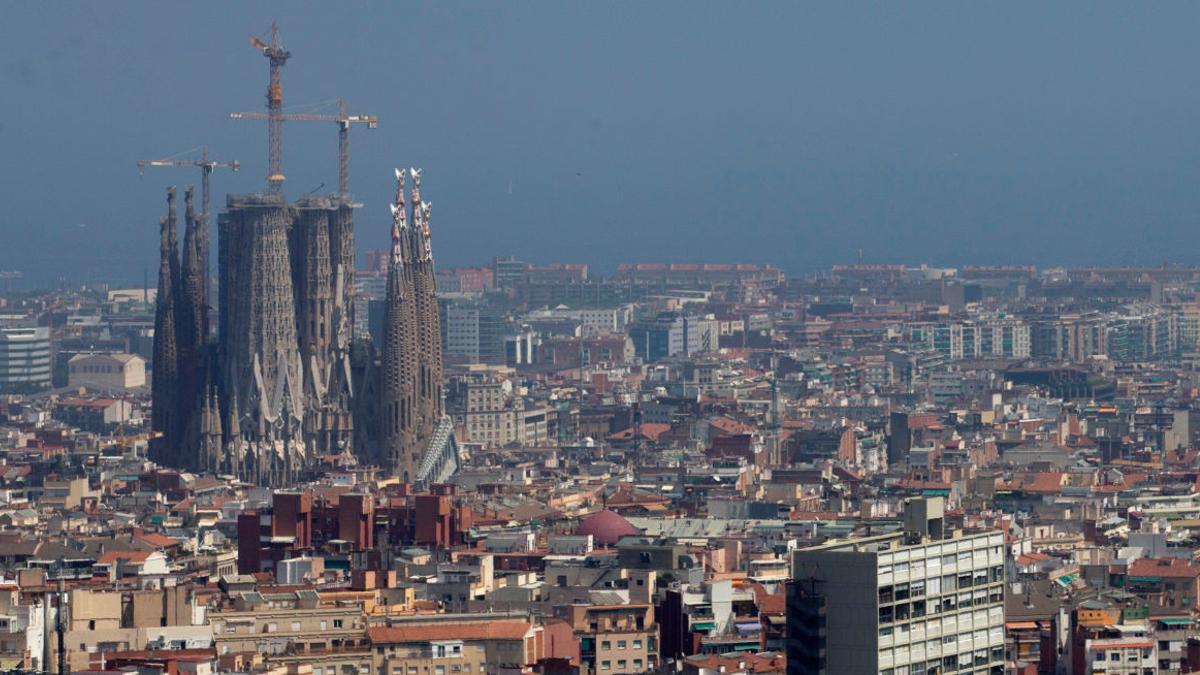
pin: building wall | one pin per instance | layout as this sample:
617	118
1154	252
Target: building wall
885	608
107	371
24	358
852	603
273	630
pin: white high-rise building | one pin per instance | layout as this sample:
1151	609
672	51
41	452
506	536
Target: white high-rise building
24	358
920	600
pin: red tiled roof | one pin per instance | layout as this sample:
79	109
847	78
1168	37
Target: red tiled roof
768	603
110	557
482	630
730	426
1164	567
157	540
650	431
1046	482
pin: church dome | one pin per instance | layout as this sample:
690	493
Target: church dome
606	528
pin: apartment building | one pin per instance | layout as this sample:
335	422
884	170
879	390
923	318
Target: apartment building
455	644
487	411
22	629
101	621
286	623
987	337
616	639
917	600
1122	656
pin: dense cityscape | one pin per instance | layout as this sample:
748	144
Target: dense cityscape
287	453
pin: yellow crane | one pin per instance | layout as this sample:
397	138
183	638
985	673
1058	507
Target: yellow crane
343	125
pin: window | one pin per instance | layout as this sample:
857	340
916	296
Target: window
606	665
295	626
637	644
337	623
605	644
621	644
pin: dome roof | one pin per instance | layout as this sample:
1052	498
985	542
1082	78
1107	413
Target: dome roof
606	528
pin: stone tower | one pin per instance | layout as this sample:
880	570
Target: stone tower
165	380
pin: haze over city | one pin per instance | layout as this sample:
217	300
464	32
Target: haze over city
789	133
608	338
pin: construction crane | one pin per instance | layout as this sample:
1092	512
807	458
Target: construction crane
277	56
343	125
206	168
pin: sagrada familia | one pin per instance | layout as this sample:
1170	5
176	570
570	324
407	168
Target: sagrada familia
285	385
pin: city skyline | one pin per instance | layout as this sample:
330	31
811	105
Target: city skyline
759	339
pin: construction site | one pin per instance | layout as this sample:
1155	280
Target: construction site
281	385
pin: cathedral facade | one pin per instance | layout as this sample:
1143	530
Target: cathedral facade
284	385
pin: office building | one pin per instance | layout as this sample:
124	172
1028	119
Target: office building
921	599
24	358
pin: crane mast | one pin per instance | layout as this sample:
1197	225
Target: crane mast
343	151
343	122
206	169
277	56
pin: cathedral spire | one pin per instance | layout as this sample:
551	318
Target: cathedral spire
195	318
165	381
398	451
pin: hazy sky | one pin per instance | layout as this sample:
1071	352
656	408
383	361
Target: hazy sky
792	133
